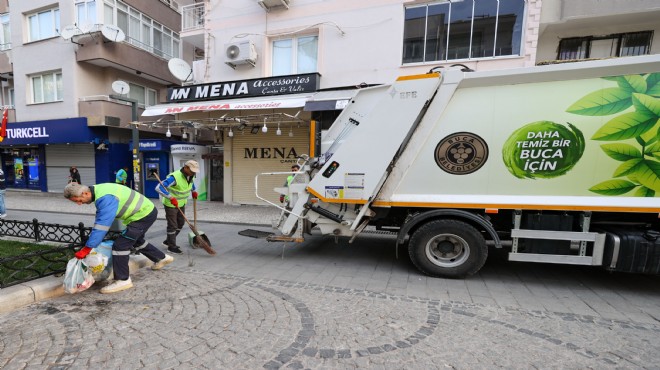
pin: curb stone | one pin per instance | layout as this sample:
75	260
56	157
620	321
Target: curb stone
33	291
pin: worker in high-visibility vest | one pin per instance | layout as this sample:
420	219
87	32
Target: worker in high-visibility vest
175	190
138	214
289	179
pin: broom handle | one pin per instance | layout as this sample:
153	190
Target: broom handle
195	212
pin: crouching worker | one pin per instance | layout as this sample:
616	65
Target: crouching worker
138	214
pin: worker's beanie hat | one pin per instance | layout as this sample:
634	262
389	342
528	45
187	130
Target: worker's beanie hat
193	165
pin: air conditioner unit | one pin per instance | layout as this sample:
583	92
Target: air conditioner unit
269	5
238	53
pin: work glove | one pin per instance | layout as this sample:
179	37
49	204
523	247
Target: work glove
194	195
174	202
281	198
82	253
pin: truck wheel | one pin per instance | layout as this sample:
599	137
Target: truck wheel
448	248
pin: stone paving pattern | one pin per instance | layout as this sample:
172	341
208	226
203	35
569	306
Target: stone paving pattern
184	318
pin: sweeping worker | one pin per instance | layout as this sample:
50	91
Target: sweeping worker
138	214
121	176
175	190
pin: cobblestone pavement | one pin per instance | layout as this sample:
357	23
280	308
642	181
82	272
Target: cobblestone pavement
326	304
184	318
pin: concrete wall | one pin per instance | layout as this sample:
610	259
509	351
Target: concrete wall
369	49
54	54
564	19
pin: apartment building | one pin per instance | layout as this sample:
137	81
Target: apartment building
270	74
59	66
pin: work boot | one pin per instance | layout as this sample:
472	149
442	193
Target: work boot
175	250
165	261
117	286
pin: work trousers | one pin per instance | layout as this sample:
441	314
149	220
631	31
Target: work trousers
133	237
175	222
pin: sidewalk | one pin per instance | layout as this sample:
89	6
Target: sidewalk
49	287
206	211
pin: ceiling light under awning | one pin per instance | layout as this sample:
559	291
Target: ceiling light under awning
274	102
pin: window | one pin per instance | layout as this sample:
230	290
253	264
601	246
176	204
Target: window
295	55
85	12
463	29
46	87
9	97
144	95
5	35
43	25
141	31
617	45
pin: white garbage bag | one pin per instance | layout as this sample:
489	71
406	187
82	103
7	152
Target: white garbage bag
77	277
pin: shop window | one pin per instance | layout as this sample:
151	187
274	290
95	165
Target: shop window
85	12
5	35
295	55
465	29
46	87
616	45
43	25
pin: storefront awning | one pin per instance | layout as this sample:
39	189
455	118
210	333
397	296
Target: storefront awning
271	102
330	100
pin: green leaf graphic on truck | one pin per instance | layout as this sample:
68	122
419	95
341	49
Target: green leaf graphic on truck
543	150
634	135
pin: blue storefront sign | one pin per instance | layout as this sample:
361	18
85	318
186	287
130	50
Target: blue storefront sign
57	131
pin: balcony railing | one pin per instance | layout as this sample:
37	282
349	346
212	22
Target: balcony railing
192	17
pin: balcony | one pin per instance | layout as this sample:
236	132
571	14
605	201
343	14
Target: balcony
192	24
102	110
125	57
6	67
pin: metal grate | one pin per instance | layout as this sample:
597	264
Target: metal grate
255	233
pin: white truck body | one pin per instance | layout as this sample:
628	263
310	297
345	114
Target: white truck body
457	160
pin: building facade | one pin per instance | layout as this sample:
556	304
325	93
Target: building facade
59	64
354	44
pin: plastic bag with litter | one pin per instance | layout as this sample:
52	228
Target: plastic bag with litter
77	277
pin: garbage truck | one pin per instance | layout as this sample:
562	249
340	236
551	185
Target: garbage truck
557	163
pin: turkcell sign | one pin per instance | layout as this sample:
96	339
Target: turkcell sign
280	85
57	131
26	133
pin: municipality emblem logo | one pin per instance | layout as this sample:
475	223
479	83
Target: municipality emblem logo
461	153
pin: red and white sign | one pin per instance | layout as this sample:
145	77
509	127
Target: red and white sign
218	105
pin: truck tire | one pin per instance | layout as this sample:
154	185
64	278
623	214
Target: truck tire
448	248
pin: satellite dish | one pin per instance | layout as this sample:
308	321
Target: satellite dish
113	33
120	87
180	69
69	31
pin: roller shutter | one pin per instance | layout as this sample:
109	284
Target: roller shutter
256	153
59	158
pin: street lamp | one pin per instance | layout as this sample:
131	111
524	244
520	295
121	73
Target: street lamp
137	184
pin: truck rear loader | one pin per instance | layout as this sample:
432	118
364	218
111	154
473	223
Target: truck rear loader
557	163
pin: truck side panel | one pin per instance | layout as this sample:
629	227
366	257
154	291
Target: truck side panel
582	144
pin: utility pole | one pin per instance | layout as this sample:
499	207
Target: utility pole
137	184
